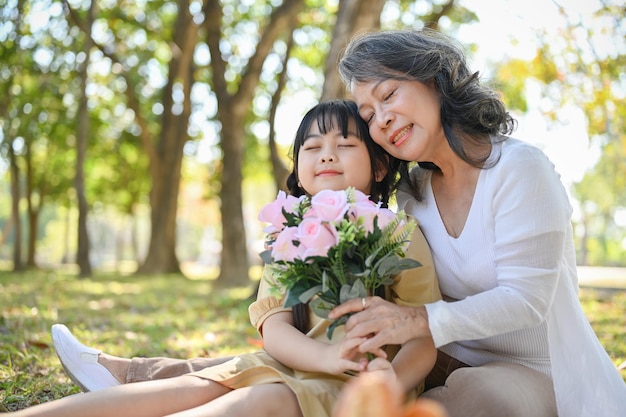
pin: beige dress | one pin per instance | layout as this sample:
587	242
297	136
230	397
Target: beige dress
317	392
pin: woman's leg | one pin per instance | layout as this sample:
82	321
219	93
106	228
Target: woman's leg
494	389
143	399
265	400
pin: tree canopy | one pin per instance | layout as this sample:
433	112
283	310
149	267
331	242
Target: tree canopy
135	108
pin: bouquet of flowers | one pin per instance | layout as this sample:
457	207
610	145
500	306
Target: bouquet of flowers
332	247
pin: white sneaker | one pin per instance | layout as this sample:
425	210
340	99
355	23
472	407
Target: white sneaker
81	362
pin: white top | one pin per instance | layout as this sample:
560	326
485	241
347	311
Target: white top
514	269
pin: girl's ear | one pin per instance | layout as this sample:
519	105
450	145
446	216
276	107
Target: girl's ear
381	171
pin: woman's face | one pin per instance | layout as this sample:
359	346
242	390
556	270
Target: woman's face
330	161
403	117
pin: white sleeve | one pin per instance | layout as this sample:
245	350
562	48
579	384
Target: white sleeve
529	215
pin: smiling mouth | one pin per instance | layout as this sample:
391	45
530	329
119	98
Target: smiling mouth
400	133
327	173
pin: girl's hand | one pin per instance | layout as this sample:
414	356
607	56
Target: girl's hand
382	322
347	356
384	370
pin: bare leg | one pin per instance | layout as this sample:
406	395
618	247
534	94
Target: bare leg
143	399
266	400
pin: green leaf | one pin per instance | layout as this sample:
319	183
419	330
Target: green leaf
370	259
292	297
349	292
321	308
310	293
391	264
266	257
408	263
331	329
325	281
388	265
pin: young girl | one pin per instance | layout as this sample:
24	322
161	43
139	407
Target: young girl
296	374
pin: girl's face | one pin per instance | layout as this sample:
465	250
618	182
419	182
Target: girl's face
330	161
403	117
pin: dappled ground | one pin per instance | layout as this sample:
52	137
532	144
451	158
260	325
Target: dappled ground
160	316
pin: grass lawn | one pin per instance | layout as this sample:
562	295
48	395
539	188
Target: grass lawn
158	316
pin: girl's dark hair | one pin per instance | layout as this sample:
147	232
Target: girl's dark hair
472	113
330	115
337	114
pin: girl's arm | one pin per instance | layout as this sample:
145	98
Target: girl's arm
411	365
414	361
294	349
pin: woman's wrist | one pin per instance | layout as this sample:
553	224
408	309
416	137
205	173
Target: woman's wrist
420	320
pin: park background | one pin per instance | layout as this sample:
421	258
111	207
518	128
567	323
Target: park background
139	139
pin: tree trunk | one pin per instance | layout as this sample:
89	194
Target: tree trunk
234	262
82	255
166	159
280	171
232	109
33	212
353	16
161	257
18	265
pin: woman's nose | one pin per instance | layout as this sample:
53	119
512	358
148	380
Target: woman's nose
328	156
383	119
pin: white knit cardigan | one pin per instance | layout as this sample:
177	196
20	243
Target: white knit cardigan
514	269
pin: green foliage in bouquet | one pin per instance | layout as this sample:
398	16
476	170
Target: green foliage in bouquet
354	247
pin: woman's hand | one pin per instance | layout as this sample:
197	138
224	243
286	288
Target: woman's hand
382	322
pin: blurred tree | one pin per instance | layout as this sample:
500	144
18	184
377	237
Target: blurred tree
82	134
34	121
585	69
11	60
233	100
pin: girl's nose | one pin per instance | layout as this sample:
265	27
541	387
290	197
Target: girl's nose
328	157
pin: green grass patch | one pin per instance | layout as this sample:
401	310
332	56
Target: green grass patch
121	315
158	316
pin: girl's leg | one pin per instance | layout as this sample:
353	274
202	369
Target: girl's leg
143	399
265	400
93	370
147	369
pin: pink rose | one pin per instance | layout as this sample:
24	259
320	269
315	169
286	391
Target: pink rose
366	212
273	212
283	249
385	216
330	205
360	196
316	237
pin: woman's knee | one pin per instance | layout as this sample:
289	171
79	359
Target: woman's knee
496	389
